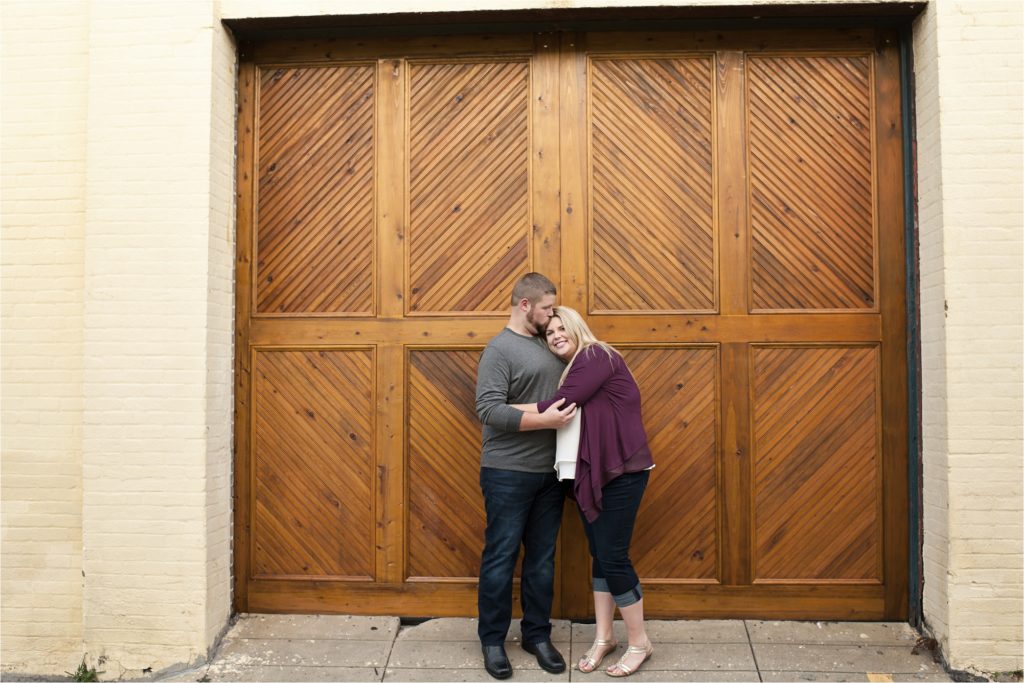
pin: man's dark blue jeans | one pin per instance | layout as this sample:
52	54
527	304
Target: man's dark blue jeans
523	508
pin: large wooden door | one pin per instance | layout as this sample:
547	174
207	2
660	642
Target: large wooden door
726	208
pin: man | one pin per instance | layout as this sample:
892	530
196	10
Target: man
522	495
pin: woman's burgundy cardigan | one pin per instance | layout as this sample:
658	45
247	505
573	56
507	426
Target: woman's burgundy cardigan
612	437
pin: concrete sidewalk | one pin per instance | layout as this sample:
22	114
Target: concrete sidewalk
345	648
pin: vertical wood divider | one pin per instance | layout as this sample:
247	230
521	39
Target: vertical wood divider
245	215
574	558
390	143
575	154
545	162
544	154
735	466
390	470
391	195
732	218
892	289
733	245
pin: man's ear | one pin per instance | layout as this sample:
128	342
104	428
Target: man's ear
524	304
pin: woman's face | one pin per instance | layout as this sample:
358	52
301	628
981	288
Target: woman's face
560	343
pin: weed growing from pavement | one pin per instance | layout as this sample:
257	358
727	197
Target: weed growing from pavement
84	673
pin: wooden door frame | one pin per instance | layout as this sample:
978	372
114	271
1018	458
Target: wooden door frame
892	277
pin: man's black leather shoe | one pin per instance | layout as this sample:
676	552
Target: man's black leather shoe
547	656
496	661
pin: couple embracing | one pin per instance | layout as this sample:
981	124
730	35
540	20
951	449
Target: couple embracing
533	378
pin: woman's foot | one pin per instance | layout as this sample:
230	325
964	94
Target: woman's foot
630	661
592	658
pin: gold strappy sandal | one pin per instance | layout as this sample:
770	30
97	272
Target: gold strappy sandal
593	662
624	670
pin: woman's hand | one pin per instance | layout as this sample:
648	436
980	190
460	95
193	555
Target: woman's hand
554	417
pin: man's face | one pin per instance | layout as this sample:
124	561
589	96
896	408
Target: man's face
539	313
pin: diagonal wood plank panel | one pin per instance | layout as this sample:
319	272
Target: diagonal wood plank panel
313	448
816	463
469	229
811	185
651	166
315	223
446	514
678	387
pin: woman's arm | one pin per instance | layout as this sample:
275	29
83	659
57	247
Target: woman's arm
525	407
589	371
556	416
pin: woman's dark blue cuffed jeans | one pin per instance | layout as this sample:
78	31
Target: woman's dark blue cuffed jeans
610	534
523	508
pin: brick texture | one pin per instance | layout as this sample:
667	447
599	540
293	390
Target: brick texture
157	344
42	133
118	141
968	68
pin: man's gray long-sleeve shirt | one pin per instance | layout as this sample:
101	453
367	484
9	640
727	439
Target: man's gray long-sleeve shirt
515	369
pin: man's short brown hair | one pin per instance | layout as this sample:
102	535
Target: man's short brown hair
532	287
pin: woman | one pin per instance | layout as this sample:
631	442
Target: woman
612	469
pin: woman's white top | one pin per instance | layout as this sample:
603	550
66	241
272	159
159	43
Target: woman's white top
567	446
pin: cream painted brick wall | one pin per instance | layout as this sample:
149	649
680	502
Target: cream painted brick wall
935	471
969	92
44	75
158	320
220	333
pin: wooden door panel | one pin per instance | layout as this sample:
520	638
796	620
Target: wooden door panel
446	515
651	176
676	532
811	186
315	197
313	455
469	175
724	207
817	497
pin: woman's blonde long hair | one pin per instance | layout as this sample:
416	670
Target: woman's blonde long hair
578	330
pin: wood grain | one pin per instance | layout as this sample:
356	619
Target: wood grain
651	175
679	390
816	460
315	220
446	513
811	189
313	449
724	206
244	200
469	175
